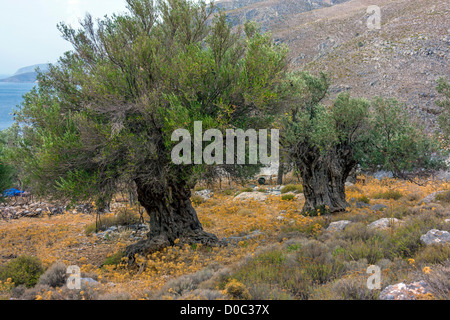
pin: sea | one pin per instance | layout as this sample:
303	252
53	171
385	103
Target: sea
11	95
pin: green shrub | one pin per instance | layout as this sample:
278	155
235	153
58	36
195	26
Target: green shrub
390	194
115	259
287	197
228	192
248	189
292	188
363	198
24	270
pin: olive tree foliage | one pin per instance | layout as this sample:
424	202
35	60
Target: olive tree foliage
7	172
103	116
327	142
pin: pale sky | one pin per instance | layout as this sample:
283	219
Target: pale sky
28	33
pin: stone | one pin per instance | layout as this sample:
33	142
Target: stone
254	234
258	196
89	282
384	223
402	291
378	207
338	225
113	229
435	236
360	205
430	198
206	194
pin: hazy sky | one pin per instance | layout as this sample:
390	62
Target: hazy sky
28	33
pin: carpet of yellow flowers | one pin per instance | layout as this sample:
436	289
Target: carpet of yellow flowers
63	238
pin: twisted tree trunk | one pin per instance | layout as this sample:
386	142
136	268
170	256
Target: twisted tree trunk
324	180
172	217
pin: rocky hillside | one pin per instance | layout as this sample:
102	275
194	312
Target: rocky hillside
402	59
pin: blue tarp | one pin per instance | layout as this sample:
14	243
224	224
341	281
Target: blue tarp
12	193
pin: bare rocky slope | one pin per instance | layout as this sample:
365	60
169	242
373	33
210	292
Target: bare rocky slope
403	59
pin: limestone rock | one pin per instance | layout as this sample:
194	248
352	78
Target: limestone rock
338	225
258	196
402	291
385	223
435	236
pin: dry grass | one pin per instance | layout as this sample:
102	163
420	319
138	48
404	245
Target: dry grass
206	272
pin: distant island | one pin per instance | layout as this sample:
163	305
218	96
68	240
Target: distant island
26	74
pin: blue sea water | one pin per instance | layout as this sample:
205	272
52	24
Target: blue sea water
10	96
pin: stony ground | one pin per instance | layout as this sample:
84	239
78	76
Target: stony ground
273	251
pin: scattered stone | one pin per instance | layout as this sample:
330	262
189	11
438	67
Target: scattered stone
435	236
206	194
385	223
258	196
402	291
430	198
380	175
89	282
349	184
378	207
113	229
447	220
361	205
338	225
253	235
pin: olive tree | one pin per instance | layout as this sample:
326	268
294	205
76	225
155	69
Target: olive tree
103	116
327	142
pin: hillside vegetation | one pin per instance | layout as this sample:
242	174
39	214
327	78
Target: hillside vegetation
273	251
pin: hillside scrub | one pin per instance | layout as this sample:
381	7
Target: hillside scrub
293	258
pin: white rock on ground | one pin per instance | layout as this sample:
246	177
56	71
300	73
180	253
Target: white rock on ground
402	291
385	223
205	194
435	236
338	225
258	196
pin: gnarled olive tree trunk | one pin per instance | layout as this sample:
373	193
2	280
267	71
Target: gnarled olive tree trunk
324	178
172	217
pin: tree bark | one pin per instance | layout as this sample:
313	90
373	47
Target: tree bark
280	173
324	180
172	217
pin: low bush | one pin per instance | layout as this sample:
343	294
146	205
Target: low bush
55	276
24	270
287	197
292	188
390	194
